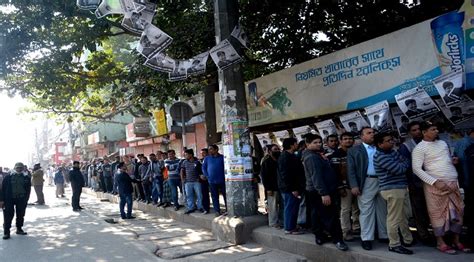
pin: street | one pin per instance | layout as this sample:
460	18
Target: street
56	233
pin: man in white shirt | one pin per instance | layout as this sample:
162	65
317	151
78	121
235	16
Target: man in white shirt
432	163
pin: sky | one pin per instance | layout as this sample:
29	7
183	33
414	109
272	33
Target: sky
16	132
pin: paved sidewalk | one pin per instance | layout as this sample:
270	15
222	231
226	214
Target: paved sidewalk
56	233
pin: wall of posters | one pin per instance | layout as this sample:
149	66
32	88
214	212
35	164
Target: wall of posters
450	87
416	103
459	112
353	122
326	128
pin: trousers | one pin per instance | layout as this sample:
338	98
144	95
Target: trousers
15	205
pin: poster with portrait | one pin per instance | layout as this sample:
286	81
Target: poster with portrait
416	103
239	34
224	55
88	4
326	128
279	136
401	121
179	72
136	21
450	87
153	41
130	6
301	131
264	140
161	62
353	122
379	116
197	64
459	112
108	7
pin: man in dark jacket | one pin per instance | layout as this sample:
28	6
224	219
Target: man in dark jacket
125	190
16	188
270	183
321	185
291	183
77	182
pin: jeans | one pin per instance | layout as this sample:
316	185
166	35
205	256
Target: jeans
215	196
205	195
126	199
109	184
147	189
192	188
174	184
291	205
157	190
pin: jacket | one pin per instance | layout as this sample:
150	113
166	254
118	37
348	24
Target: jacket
269	174
213	169
290	173
124	182
58	177
320	176
37	178
6	194
357	165
76	178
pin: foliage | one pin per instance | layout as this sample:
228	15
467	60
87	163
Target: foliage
71	64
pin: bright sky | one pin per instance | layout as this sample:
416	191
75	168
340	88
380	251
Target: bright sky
16	132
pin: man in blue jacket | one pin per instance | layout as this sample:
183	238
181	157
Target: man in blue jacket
213	170
16	188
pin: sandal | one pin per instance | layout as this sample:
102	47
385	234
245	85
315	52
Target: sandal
462	248
447	250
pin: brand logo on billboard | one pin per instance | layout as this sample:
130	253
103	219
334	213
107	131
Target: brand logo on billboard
454	52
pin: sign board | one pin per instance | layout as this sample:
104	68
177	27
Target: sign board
161	125
93	138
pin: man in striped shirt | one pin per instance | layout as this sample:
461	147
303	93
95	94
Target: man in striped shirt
432	163
391	167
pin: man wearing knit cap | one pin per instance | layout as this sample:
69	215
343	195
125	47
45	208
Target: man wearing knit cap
16	188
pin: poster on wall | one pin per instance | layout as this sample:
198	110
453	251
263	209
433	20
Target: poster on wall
239	169
279	136
450	87
416	103
459	112
326	128
153	41
264	140
379	116
353	122
401	121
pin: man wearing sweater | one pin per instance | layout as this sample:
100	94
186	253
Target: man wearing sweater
391	167
431	161
174	180
213	170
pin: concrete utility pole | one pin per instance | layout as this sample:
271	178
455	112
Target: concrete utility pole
241	193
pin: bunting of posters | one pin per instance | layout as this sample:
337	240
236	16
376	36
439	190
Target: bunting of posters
153	41
224	55
198	64
353	122
88	4
136	21
108	7
379	116
161	62
239	34
301	131
459	112
450	87
326	128
264	140
280	135
401	121
180	71
416	103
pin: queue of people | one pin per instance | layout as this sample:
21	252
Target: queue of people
374	188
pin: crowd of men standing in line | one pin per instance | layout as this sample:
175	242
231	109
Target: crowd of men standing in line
339	188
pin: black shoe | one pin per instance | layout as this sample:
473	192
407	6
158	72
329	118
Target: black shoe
176	208
20	231
131	217
367	245
400	250
159	204
342	246
124	217
6	236
189	211
81	208
384	240
319	240
165	205
76	210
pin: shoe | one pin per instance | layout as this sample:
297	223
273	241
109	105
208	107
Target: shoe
367	245
320	241
176	208
131	217
81	208
384	240
342	246
20	231
400	250
165	205
205	212
123	217
76	210
293	232
159	204
189	211
6	236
